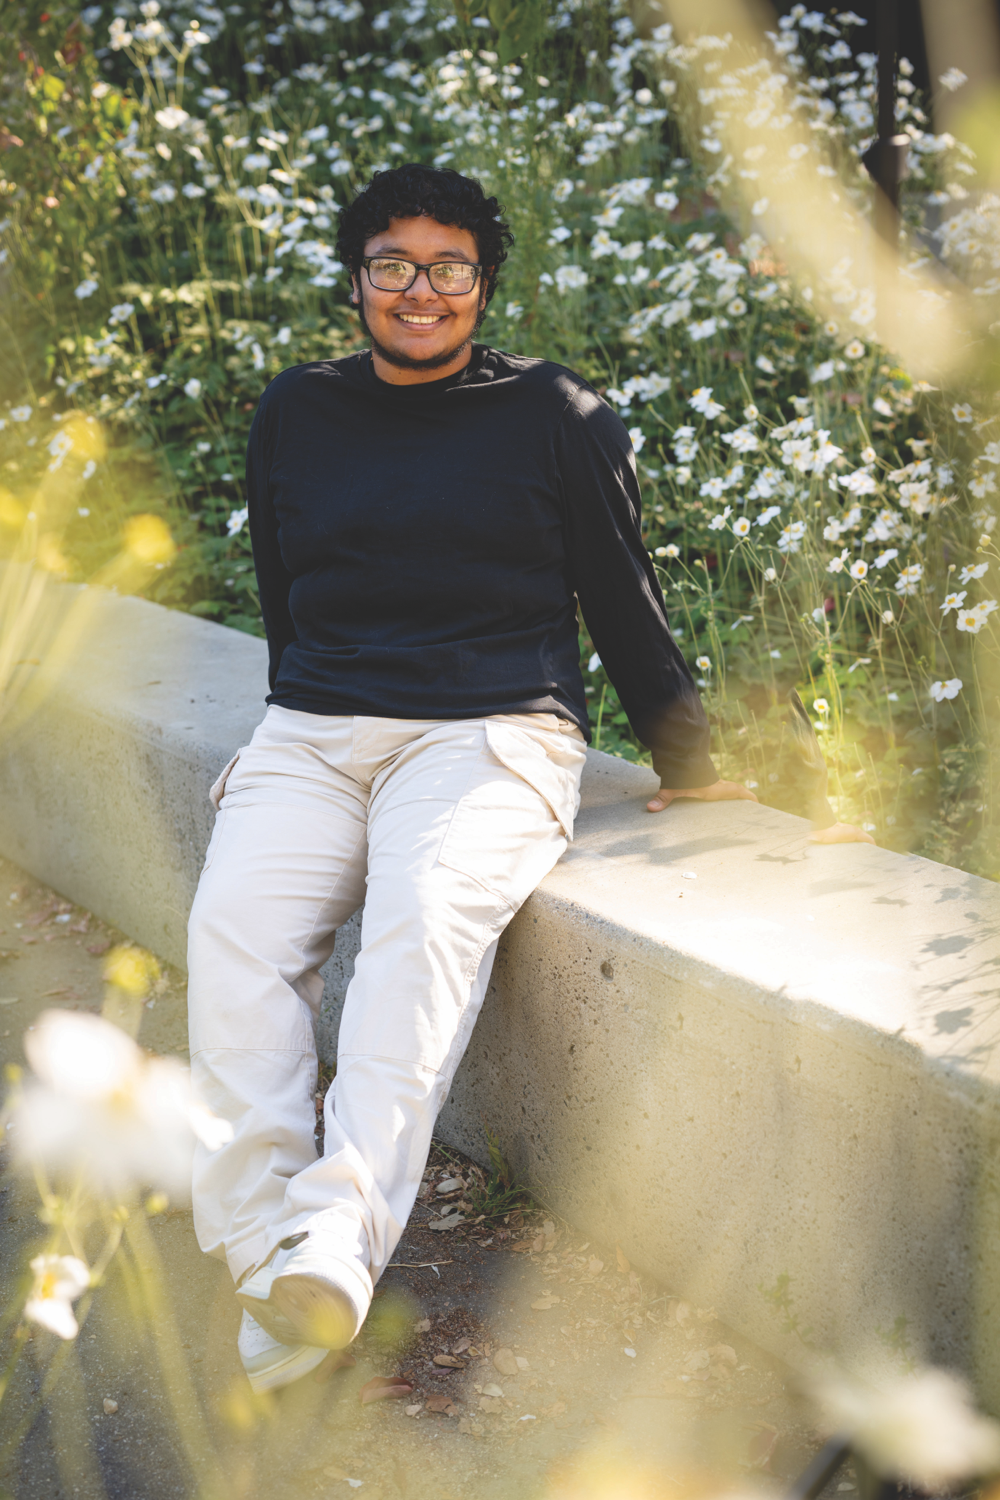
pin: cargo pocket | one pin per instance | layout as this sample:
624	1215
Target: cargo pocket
512	822
217	790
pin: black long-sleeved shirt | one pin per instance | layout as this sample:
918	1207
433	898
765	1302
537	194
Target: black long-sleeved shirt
420	550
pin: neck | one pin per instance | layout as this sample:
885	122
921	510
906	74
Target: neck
395	374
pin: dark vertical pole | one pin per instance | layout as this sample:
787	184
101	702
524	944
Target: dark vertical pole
886	171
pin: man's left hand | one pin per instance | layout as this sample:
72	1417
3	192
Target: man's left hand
719	791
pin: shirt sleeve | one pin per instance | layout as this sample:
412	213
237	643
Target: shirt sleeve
621	600
274	582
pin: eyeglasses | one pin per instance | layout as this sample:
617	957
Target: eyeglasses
451	278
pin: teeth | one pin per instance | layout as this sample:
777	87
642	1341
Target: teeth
416	318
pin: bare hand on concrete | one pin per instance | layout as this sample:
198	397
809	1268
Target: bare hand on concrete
719	791
841	833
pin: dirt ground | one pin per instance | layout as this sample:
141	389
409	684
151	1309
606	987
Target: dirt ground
529	1361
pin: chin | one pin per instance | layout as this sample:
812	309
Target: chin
420	355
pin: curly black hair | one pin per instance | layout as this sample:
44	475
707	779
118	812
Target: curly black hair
412	190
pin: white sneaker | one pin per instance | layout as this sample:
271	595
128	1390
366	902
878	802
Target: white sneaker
307	1293
269	1364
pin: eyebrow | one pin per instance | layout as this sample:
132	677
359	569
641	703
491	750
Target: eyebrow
405	254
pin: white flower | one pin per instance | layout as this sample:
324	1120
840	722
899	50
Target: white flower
886	557
887	617
104	1110
991	453
703	663
969	572
638	438
953	79
771	574
193	388
922	1426
258	356
172	118
859	570
859	483
89	470
837	564
821	706
953	601
118	36
20	413
237	521
909	579
972	620
257	161
760	207
86	288
121	312
962	412
193	190
763	363
791	536
702	330
768	515
868	455
165	193
712	488
950	689
514	311
882	407
718	522
825	371
741	526
854	350
59	1281
671	550
701	401
570	278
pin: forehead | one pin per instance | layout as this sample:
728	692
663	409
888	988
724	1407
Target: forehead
422	238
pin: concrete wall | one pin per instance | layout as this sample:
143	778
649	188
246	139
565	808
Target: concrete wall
786	1065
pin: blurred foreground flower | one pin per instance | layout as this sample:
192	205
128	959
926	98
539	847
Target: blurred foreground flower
922	1427
148	539
59	1280
107	1111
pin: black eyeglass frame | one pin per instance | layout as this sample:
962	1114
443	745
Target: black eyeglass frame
417	268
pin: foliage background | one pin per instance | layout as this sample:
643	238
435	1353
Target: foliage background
169	183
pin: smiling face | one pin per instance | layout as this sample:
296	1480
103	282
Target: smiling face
420	334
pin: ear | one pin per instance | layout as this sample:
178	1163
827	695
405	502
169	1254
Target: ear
355	297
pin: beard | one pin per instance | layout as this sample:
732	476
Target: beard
406	361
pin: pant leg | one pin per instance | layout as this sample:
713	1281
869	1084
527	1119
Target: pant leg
284	870
463	823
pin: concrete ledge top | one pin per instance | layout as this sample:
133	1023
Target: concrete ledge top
904	947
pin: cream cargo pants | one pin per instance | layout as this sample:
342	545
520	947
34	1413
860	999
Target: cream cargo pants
442	828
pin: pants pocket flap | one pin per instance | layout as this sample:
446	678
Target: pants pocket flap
523	754
218	788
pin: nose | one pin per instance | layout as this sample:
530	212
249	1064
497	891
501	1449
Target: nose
422	288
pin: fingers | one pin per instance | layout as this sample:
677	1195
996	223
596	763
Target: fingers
841	833
660	801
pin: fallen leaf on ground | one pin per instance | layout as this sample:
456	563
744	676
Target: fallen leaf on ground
449	1361
384	1388
415	1410
489	1403
760	1449
542	1304
449	1223
623	1263
461	1346
682	1313
523	1245
96	949
594	1266
110	1407
522	1363
63	989
724	1354
505	1361
36	918
492	1390
337	1359
423	1325
82	926
699	1360
450	1185
442	1403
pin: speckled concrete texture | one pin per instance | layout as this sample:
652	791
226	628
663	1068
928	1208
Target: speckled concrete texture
762	1066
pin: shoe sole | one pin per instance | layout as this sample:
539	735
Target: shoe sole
270	1373
320	1312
